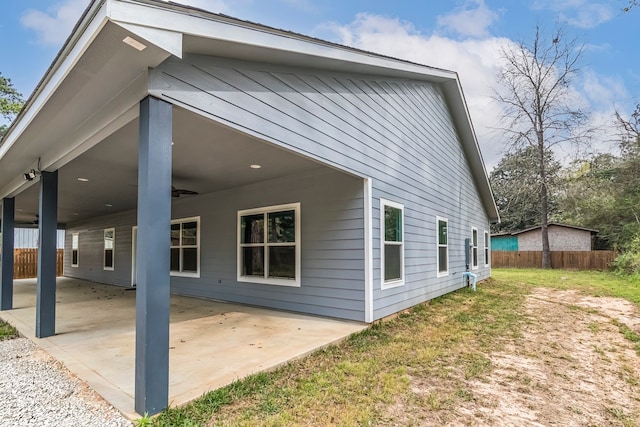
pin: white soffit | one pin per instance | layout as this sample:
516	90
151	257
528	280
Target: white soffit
169	41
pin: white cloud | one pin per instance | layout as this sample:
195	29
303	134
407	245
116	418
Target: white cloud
604	91
472	19
588	17
580	13
54	25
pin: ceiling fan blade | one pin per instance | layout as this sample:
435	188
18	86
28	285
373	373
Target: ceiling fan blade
176	192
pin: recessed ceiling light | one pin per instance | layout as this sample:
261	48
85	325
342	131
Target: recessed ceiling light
108	205
255	166
76	213
83	179
134	43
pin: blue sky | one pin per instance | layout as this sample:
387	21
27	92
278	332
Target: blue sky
465	36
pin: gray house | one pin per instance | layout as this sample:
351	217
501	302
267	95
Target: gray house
193	153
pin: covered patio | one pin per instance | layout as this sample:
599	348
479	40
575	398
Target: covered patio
211	343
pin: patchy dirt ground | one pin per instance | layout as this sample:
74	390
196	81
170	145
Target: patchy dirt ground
572	366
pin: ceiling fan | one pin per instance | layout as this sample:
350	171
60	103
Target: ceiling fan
28	224
177	192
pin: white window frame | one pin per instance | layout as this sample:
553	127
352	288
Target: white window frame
438	246
384	284
487	248
113	249
75	246
474	248
269	280
195	274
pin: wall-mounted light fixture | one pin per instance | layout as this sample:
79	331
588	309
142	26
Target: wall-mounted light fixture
30	175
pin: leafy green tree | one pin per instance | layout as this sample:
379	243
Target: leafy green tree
10	102
516	182
603	192
590	198
539	111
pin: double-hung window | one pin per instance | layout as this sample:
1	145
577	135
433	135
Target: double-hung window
474	248
75	249
269	245
109	248
442	254
392	254
185	247
486	248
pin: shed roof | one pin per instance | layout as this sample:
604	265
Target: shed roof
556	224
93	86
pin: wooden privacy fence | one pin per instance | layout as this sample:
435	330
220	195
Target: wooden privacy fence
25	263
564	260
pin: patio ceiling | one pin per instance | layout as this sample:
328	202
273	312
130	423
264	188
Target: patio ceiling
207	157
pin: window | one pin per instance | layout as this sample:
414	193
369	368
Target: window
486	248
269	245
474	248
75	237
109	248
392	254
443	246
185	247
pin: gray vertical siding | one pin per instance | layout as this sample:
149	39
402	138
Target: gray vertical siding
331	209
397	132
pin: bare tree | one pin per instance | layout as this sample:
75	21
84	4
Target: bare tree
539	108
630	126
632	4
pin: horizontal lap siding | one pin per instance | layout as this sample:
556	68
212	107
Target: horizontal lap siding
91	249
332	282
332	276
397	132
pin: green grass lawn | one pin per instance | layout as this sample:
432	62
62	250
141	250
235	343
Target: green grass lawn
7	331
358	381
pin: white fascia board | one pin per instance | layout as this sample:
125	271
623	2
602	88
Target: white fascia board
216	27
169	41
57	74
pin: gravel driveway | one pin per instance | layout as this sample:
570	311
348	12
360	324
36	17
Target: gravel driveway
36	390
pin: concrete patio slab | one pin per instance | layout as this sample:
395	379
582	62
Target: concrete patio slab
211	343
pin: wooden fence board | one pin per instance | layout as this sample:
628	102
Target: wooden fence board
563	260
25	263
